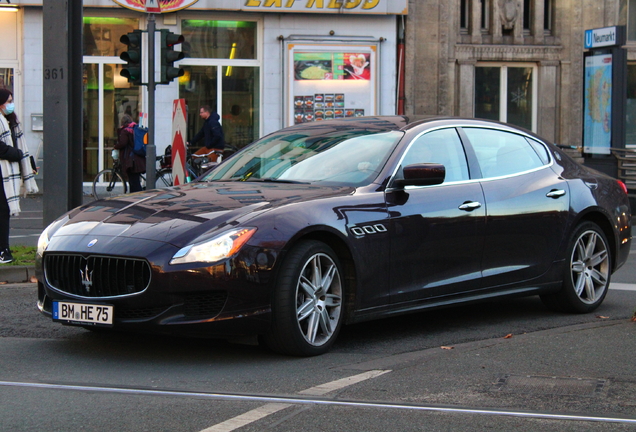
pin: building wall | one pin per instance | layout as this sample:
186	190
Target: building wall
440	65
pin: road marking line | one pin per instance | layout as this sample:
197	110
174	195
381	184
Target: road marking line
247	418
262	412
323	389
323	402
622	286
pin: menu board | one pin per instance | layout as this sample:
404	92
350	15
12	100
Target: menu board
327	66
327	83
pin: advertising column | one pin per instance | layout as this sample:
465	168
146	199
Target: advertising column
604	90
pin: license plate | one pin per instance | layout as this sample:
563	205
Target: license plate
82	313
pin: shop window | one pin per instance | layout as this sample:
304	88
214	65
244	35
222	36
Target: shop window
234	88
506	92
219	39
7	78
101	35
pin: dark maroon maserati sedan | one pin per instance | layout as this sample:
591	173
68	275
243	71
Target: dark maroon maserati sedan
340	221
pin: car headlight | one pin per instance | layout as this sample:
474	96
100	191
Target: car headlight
43	241
215	249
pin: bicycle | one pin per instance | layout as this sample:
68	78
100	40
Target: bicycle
198	164
109	182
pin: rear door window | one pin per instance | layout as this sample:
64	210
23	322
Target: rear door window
502	153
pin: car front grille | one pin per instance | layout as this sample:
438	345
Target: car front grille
96	276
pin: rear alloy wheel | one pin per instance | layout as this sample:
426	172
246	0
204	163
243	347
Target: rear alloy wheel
307	308
588	273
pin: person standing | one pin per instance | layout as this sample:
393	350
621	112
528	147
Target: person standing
211	133
18	176
132	165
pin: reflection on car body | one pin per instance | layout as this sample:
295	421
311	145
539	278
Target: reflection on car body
341	221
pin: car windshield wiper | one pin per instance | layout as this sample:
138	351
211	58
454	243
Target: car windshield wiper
274	180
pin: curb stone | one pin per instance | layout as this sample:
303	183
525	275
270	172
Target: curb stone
16	274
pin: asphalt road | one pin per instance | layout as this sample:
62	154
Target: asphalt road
446	370
500	366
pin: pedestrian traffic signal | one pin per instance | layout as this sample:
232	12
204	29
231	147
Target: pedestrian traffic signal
169	56
132	57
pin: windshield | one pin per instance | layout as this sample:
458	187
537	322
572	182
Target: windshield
344	157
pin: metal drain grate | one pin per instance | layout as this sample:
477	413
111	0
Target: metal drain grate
549	385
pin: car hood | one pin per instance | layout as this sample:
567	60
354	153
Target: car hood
179	215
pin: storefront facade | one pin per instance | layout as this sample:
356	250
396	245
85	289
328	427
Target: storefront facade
266	64
260	65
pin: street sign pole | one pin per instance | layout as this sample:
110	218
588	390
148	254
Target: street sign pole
151	150
62	79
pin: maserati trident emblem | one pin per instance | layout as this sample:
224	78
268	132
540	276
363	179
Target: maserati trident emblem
87	278
92	243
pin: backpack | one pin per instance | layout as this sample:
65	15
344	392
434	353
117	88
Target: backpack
140	136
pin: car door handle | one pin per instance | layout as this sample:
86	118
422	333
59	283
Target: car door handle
555	193
470	206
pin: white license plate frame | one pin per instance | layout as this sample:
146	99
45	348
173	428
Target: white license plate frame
83	313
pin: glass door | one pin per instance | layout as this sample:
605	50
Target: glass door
107	97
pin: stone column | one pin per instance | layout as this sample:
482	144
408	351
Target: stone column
538	16
466	88
475	22
548	98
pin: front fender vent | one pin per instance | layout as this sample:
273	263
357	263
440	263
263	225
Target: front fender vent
96	276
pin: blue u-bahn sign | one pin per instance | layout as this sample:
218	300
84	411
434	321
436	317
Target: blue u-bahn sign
605	37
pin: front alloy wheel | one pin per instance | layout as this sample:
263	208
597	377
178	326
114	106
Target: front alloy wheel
318	299
307	305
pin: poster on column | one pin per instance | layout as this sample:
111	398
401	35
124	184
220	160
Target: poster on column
179	139
329	81
597	118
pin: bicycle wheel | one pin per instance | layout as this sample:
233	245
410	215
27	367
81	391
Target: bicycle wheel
108	183
164	178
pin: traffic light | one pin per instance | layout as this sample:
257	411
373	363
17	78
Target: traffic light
169	56
132	57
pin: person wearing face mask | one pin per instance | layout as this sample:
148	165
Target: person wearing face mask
15	167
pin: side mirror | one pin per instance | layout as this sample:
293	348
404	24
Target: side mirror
422	174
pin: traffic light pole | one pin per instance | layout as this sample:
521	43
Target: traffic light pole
151	150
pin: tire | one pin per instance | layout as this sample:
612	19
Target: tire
164	178
587	272
109	184
307	314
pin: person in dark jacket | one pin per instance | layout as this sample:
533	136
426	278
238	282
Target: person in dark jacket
132	165
211	133
17	176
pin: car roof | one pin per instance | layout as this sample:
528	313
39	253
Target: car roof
395	122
